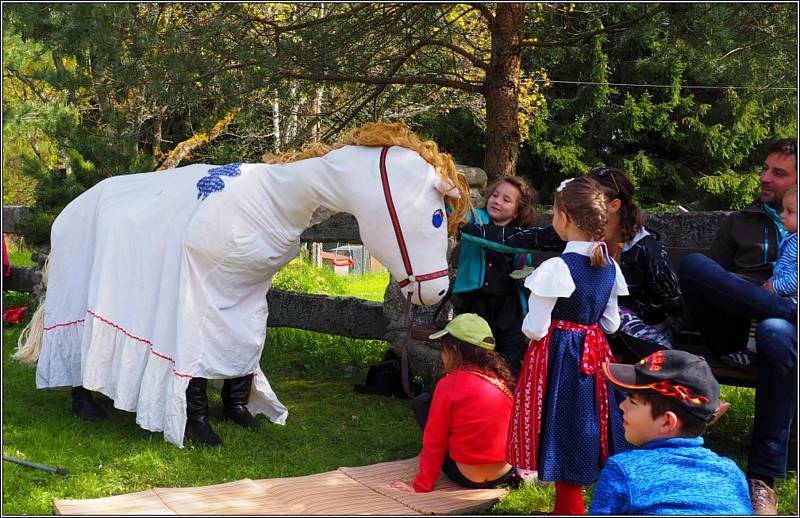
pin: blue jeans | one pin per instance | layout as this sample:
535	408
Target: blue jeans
722	303
776	396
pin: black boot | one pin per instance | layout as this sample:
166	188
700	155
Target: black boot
235	392
83	405
197	427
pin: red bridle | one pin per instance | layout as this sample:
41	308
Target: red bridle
398	232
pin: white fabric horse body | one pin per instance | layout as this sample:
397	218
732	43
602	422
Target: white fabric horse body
156	278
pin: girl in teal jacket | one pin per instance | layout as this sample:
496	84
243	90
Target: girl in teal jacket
483	282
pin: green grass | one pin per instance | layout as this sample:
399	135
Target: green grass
300	275
329	426
370	286
18	256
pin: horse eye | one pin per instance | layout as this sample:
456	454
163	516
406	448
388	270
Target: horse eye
438	218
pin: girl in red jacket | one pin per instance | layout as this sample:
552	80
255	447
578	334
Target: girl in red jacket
465	425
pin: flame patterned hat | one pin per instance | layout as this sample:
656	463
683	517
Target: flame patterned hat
677	374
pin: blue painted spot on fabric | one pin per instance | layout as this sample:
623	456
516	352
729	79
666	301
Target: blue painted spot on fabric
438	218
213	183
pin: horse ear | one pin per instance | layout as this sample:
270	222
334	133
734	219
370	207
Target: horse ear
446	187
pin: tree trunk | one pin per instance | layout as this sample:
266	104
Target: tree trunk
501	89
276	125
316	110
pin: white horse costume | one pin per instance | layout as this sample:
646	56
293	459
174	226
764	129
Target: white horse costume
156	278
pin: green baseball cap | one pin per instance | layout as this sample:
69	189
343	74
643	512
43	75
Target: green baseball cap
470	328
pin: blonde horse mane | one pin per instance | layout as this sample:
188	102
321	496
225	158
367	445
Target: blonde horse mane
29	343
398	134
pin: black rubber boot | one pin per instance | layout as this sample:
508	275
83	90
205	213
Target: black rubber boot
197	427
83	405
235	392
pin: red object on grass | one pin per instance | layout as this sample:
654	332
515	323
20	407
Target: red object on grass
336	259
12	316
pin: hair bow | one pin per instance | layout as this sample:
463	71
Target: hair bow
563	184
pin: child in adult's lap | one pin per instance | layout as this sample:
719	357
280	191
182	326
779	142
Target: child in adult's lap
566	420
783	282
465	424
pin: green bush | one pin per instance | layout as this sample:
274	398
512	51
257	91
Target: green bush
13	299
300	275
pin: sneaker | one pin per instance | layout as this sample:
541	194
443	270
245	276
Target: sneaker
523	477
740	359
763	497
751	336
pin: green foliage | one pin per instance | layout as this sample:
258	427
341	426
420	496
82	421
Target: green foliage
129	70
107	89
370	286
729	189
681	144
20	257
35	226
300	275
31	110
455	132
13	299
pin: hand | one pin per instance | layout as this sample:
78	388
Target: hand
768	286
401	486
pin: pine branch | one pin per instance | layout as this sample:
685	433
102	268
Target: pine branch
590	34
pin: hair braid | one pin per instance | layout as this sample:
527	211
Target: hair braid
584	201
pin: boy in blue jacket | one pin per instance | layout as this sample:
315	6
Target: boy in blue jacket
672	396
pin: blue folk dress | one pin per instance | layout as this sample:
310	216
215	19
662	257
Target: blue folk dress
562	398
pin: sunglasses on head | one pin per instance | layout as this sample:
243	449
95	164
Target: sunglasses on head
602	172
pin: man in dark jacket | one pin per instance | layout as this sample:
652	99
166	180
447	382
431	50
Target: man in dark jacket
723	292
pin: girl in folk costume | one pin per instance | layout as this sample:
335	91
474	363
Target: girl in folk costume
566	419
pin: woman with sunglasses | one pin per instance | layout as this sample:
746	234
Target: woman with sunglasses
651	314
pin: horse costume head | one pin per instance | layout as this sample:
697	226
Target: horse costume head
406	197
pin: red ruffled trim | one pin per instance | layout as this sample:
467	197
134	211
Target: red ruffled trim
119	328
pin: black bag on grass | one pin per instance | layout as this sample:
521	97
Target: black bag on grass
385	378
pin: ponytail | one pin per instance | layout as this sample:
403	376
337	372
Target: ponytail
599	255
